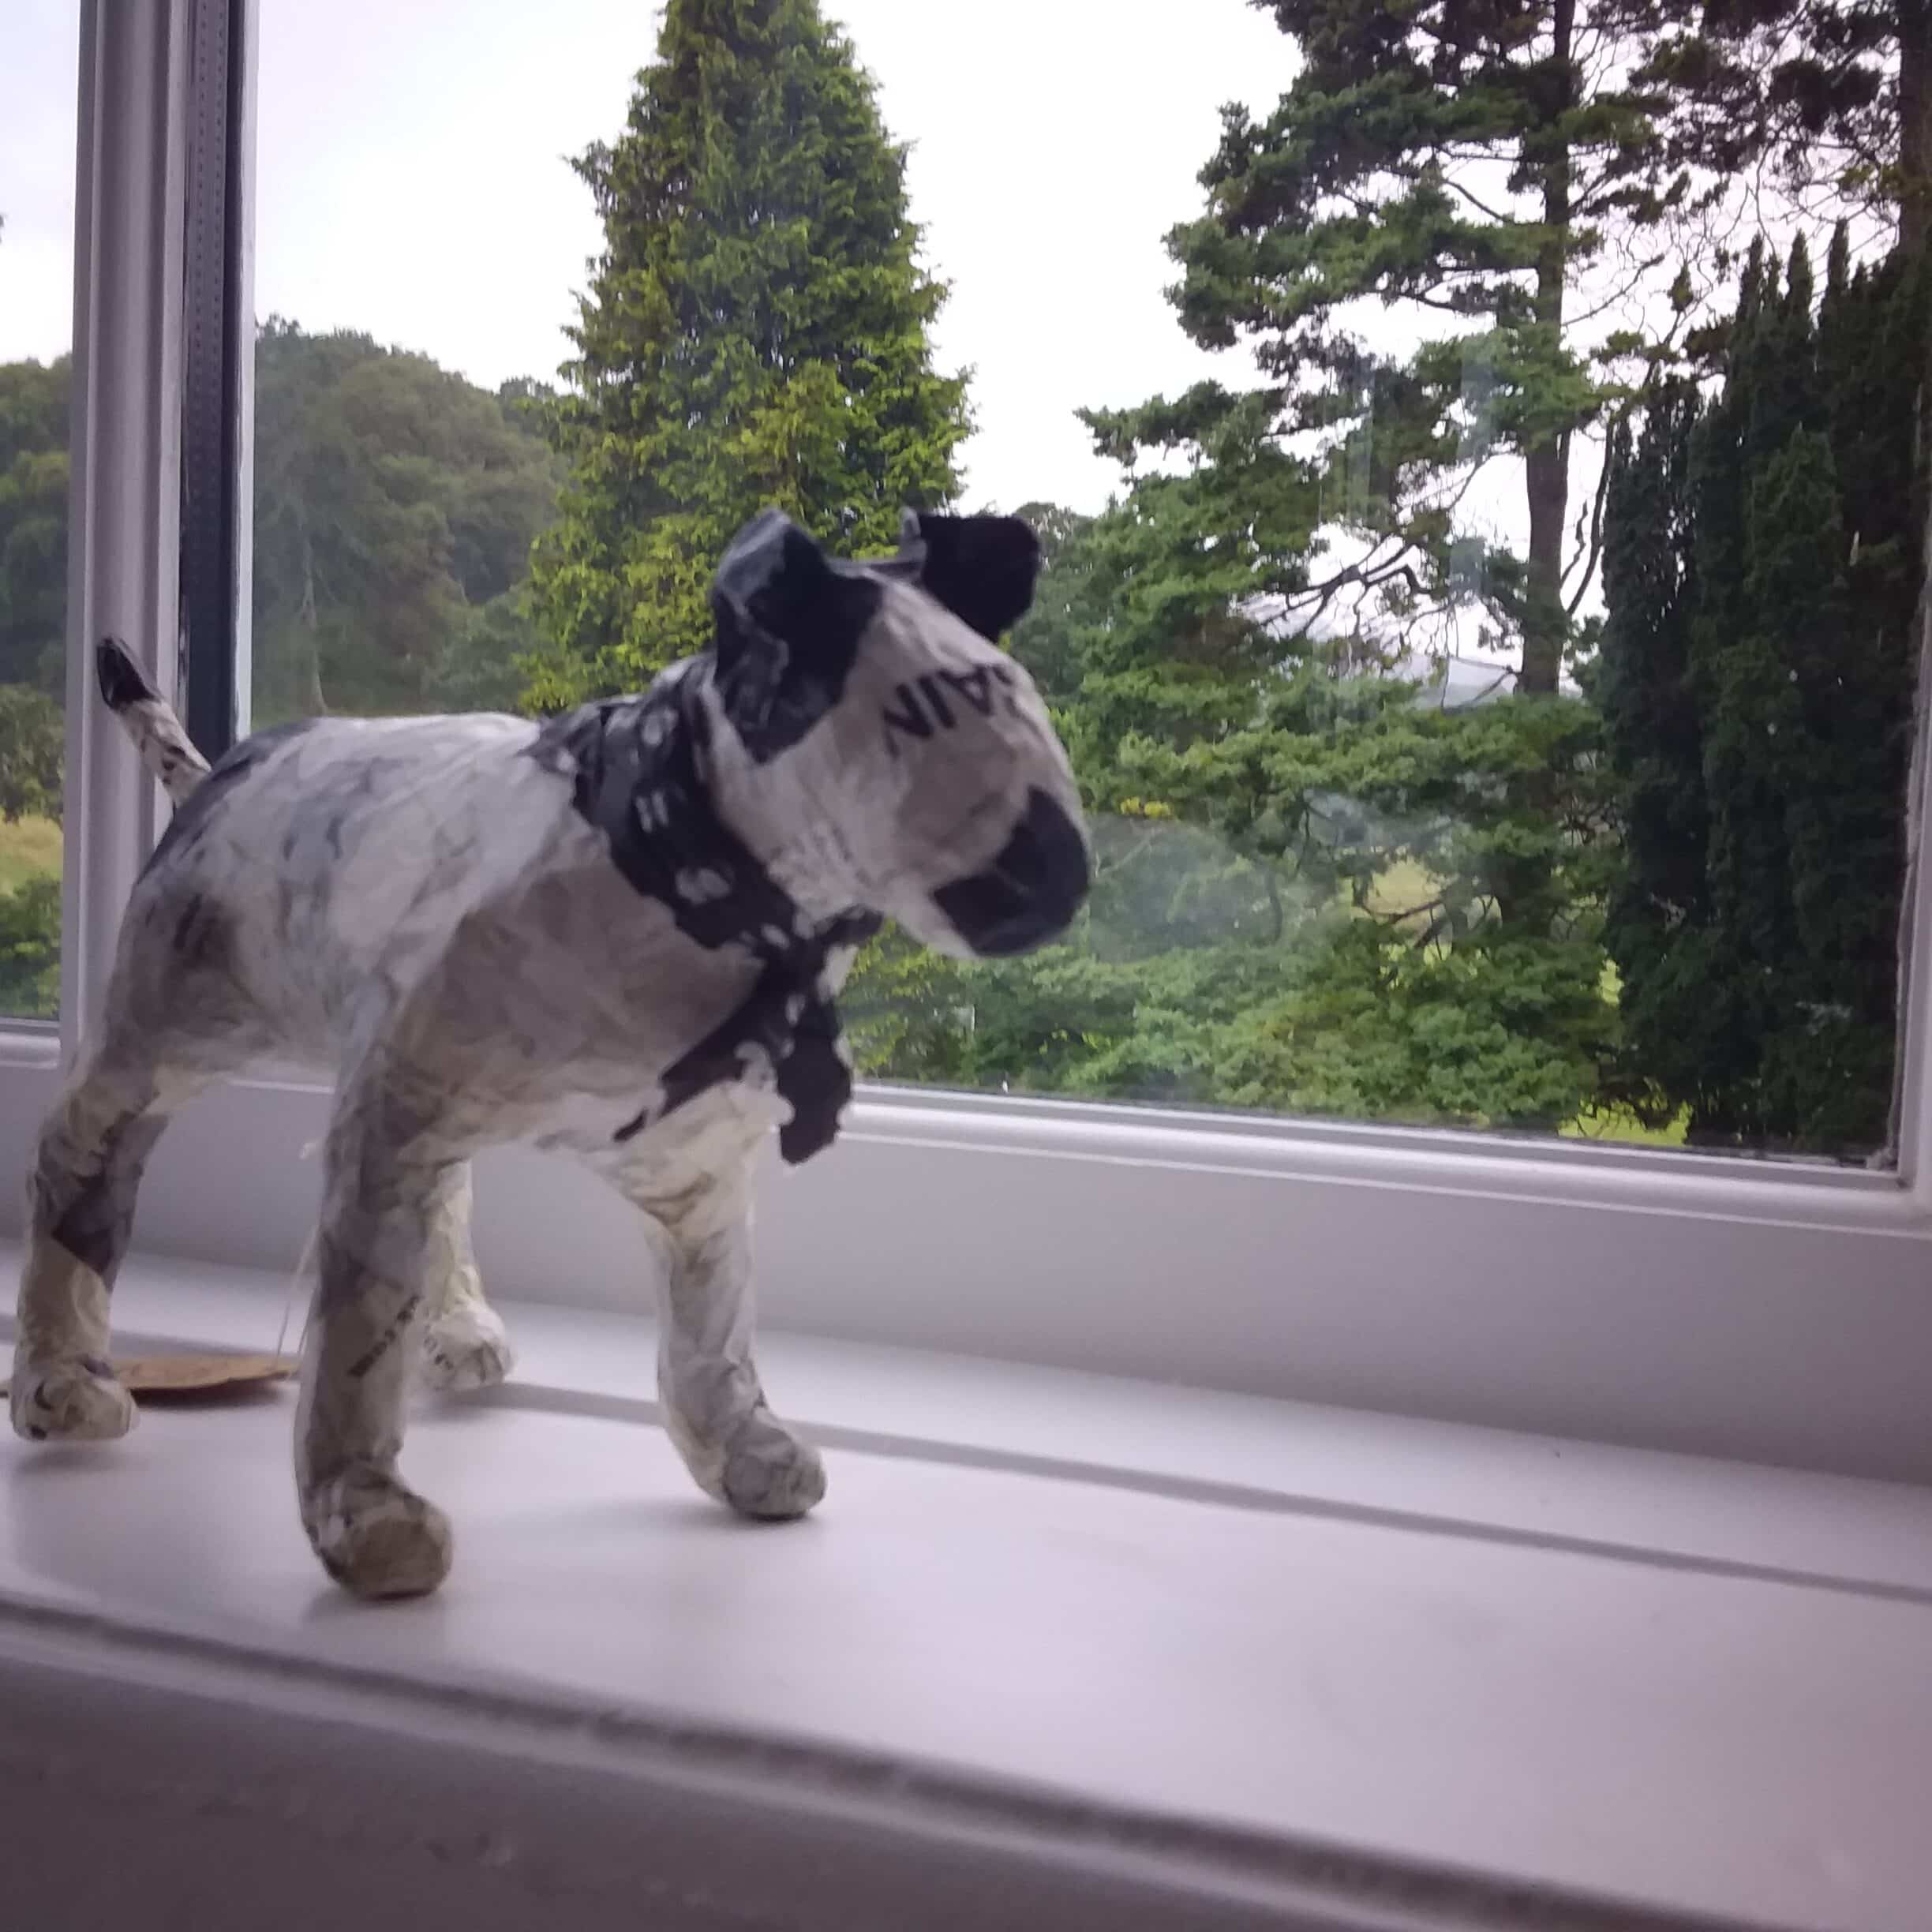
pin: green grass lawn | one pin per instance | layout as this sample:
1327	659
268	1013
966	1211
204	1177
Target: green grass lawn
1403	887
29	848
1619	1124
30	853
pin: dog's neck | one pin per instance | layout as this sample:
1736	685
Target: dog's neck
638	776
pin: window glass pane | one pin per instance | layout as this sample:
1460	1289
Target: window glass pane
39	42
1480	536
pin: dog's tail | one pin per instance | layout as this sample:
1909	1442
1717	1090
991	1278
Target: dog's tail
149	720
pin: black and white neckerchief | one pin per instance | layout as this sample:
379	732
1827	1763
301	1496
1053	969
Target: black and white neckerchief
635	768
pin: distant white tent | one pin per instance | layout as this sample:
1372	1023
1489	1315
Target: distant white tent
1459	684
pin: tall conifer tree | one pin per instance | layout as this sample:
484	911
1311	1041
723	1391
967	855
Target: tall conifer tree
755	332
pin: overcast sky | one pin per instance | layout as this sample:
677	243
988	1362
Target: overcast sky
412	183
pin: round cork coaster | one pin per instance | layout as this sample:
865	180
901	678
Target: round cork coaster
157	1377
198	1378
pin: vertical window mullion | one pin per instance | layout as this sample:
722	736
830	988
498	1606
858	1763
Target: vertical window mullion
123	564
216	348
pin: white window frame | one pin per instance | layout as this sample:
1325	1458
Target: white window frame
1777	1311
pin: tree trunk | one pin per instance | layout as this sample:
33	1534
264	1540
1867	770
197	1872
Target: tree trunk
1521	884
1543	622
1547	464
315	704
1915	32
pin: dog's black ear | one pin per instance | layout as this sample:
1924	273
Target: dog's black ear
982	568
787	628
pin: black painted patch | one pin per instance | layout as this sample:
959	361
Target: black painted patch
982	568
635	775
1031	890
788	628
634	771
791	1019
122	681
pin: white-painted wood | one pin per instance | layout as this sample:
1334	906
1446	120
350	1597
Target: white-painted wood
124	494
1096	1659
1752	1318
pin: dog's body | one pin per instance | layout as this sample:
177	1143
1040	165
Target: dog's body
617	935
427	880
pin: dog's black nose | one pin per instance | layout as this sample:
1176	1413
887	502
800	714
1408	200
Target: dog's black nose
1031	890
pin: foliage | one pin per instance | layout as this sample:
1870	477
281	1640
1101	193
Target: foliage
1658	886
31	746
1343	1023
1293	906
30	947
33	606
1347	1015
33	584
755	333
1764	559
395	505
1472	163
33	522
1248	943
1836	94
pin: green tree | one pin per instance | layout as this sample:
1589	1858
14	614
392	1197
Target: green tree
30	947
1290	907
755	332
1836	94
31	747
1765	557
395	505
1315	888
33	522
1659	921
1473	164
1477	169
33	624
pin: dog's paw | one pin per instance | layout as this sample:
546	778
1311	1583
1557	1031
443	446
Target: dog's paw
465	1349
378	1539
767	1472
73	1399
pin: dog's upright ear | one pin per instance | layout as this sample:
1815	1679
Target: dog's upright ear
787	628
982	568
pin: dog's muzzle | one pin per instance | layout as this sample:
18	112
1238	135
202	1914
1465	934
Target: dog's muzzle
1030	892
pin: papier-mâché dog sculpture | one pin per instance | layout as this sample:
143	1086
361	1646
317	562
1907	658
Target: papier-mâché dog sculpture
618	933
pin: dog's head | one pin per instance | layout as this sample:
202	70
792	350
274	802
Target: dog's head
876	748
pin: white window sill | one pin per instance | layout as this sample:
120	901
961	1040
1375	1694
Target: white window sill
1665	1302
1081	1650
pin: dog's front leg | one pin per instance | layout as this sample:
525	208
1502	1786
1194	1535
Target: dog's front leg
714	1406
464	1345
375	1536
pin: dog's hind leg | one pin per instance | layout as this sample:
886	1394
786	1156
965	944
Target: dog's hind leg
464	1345
91	1151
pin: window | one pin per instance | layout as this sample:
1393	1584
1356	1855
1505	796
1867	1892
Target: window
36	296
1292	1220
1432	734
1014	1195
